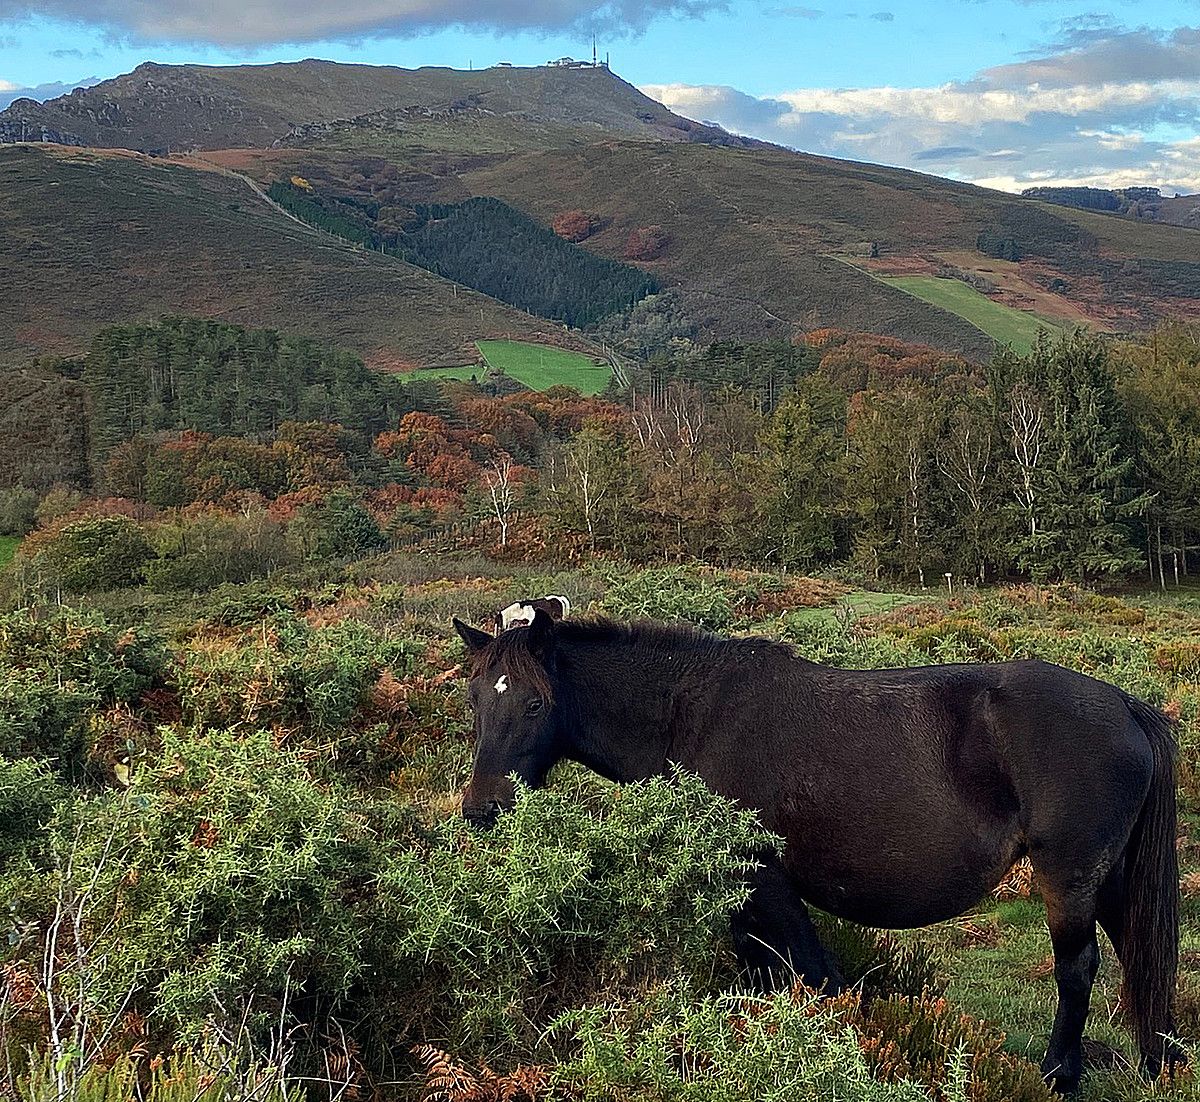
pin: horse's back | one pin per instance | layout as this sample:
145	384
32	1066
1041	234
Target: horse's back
905	794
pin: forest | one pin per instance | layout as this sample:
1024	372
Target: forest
484	244
1076	462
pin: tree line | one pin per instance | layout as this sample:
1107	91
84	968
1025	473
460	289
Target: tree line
1080	461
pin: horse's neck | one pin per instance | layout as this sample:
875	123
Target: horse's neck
626	708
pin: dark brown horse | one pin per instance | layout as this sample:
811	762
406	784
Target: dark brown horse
903	795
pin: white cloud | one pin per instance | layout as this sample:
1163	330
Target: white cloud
8	86
1102	131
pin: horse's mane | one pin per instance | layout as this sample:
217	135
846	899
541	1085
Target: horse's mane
511	653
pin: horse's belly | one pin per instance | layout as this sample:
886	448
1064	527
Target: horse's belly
901	894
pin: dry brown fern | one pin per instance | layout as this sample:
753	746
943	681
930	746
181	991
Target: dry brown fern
448	1080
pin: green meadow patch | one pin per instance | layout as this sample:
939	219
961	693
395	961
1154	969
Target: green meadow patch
538	366
1002	323
8	548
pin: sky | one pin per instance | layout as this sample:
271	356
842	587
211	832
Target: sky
1005	93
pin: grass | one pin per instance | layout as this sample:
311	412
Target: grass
860	602
8	548
1002	323
540	366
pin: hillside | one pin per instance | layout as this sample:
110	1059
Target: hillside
749	241
171	108
90	239
760	243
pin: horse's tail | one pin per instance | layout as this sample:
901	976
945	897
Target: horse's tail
1150	928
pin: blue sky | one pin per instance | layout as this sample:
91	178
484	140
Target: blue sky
1006	92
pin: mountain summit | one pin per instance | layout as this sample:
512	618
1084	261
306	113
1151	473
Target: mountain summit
181	108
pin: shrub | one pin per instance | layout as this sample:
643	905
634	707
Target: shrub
573	225
646	243
28	796
202	551
222	877
59	502
282	672
340	527
56	670
667	593
90	555
575	891
728	1048
18	511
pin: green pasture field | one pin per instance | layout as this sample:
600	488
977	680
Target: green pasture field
1002	323
8	548
538	366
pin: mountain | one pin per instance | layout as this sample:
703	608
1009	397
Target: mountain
745	240
91	238
42	92
1142	203
178	108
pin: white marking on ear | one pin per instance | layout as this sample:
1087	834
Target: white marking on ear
502	684
566	605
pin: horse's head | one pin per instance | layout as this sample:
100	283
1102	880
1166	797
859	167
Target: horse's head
516	722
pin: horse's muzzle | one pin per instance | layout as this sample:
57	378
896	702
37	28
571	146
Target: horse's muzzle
483	817
484	798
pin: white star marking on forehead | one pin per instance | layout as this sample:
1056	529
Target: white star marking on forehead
502	684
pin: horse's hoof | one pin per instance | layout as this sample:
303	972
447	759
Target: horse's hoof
1061	1076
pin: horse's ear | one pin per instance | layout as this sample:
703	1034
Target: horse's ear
541	633
475	639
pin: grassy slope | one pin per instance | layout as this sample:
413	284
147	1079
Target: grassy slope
1002	323
540	367
8	548
749	230
88	240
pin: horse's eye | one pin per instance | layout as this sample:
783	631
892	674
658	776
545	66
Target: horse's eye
534	706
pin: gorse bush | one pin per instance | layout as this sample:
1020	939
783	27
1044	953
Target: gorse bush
56	671
669	1047
89	556
667	593
29	796
222	877
282	672
573	891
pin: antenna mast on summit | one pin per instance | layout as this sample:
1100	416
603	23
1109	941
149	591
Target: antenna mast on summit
593	51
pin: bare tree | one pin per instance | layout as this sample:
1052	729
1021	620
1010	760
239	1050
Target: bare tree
1025	419
503	493
964	456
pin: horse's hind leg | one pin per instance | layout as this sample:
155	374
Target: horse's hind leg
1072	921
775	939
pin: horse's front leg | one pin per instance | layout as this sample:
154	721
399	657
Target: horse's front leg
775	939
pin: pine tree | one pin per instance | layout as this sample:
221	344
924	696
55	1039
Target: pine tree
1089	495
